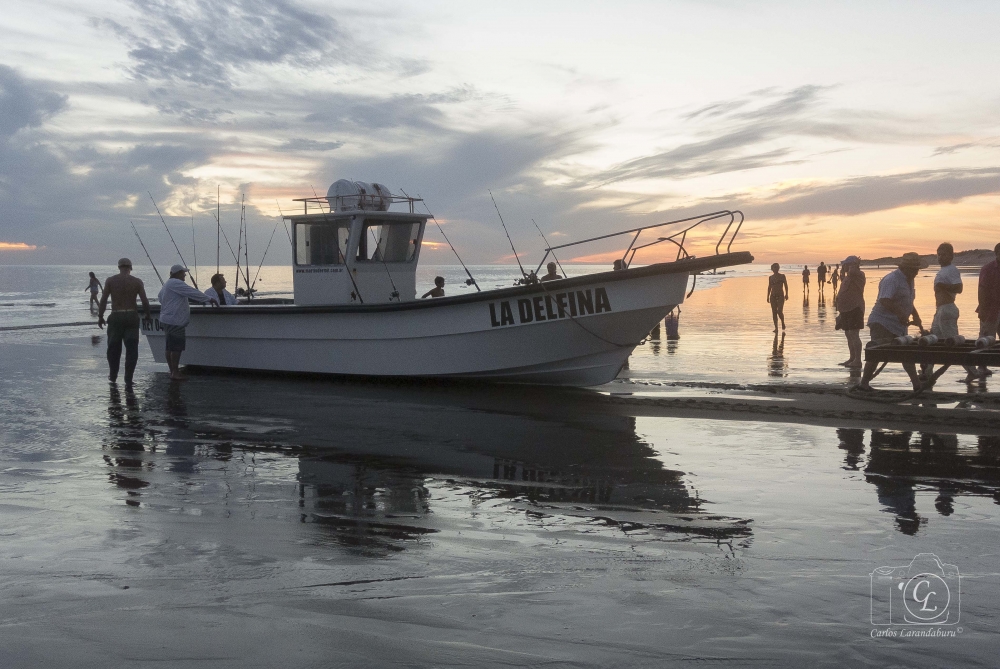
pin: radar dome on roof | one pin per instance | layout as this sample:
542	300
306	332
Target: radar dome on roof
347	195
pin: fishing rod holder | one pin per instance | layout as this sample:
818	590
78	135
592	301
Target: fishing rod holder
678	238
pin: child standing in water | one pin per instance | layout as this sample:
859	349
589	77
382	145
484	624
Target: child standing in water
777	293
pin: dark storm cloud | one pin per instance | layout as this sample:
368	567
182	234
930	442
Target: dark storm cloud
44	183
205	41
22	105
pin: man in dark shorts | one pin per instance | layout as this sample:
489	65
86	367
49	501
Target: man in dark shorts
777	293
123	323
821	276
805	279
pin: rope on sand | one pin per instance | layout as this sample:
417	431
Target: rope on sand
10	328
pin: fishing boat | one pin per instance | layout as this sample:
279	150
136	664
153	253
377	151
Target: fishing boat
355	309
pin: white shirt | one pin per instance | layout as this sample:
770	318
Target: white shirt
228	297
174	307
894	287
948	275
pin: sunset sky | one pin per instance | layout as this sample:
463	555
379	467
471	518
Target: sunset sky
837	128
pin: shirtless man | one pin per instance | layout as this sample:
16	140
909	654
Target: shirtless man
123	324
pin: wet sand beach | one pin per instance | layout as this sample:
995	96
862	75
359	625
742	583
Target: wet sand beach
713	505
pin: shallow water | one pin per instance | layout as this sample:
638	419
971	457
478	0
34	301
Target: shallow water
263	521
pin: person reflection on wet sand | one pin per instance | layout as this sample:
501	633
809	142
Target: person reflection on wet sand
125	446
898	465
776	363
852	441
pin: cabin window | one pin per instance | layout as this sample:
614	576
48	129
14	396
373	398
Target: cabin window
389	242
320	243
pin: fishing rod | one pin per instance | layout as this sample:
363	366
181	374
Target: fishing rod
176	248
218	224
239	249
265	253
194	247
550	248
471	281
523	273
226	238
147	253
284	226
246	246
350	275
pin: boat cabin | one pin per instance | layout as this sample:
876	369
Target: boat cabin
351	249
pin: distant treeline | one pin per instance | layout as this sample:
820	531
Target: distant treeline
974	258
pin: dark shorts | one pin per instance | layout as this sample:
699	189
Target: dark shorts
777	304
176	337
853	319
123	326
880	334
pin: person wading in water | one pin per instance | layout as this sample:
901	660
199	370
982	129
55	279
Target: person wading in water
94	286
777	294
123	323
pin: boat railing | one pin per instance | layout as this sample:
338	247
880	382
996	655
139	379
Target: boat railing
678	238
361	202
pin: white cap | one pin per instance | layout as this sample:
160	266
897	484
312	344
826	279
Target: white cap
177	268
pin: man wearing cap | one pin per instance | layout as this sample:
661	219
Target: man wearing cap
175	314
123	323
890	317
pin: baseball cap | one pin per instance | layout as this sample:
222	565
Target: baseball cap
124	262
177	268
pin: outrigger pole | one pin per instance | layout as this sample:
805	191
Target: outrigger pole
147	253
523	273
195	282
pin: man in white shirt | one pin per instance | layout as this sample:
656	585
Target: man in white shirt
219	292
175	314
947	284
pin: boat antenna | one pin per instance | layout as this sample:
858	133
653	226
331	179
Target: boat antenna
350	274
176	248
550	247
147	253
194	247
471	281
523	273
218	224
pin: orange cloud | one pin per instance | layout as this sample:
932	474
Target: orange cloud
16	246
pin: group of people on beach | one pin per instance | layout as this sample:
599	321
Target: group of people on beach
123	323
822	270
894	311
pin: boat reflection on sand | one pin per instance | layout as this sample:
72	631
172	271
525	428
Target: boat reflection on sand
375	461
902	464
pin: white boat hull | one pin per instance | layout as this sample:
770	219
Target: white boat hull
546	334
